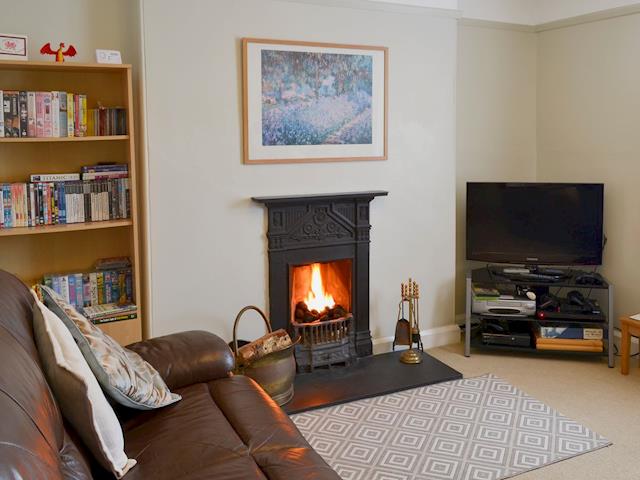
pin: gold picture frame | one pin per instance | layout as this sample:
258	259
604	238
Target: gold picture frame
306	102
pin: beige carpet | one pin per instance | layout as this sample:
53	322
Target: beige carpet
585	390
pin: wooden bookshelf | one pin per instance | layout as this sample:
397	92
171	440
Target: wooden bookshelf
31	252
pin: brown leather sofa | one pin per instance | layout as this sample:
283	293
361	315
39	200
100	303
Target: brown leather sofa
225	427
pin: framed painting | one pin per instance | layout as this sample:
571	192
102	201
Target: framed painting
313	102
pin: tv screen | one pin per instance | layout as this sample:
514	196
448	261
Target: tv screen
535	223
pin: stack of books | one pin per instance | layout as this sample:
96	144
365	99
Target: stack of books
56	114
101	192
110	312
576	339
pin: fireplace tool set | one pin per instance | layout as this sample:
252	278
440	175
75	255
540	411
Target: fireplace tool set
408	331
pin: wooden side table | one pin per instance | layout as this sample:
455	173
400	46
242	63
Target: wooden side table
630	327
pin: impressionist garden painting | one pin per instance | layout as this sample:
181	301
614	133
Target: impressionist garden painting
311	98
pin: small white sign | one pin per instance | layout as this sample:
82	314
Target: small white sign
13	47
108	56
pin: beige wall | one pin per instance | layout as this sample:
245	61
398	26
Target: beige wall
496	118
208	253
588	124
87	24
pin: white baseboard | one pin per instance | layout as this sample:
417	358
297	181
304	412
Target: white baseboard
431	338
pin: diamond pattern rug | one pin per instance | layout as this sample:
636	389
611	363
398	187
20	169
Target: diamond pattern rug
479	428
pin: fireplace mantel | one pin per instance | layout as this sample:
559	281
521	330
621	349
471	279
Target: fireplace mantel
319	228
284	199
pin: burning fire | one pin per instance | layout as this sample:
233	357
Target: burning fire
317	298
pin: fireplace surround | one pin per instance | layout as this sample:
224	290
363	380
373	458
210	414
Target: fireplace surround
307	229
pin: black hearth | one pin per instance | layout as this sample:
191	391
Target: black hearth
329	230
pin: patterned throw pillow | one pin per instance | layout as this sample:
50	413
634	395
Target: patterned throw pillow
122	373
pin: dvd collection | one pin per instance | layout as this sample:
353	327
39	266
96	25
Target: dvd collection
102	295
99	192
56	114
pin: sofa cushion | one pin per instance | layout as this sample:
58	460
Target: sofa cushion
188	440
228	428
123	374
77	390
273	440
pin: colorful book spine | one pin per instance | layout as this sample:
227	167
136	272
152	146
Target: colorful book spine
46	123
40	114
79	291
11	114
93	280
23	113
80	115
83	114
1	114
63	130
55	114
31	114
115	318
71	282
55	177
64	288
70	115
86	290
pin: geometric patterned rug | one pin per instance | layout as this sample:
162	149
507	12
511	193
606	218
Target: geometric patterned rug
479	428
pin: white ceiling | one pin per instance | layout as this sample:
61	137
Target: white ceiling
526	12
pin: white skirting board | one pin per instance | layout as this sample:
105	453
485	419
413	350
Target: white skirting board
431	338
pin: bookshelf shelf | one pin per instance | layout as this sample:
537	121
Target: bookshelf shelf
31	252
103	138
68	66
71	227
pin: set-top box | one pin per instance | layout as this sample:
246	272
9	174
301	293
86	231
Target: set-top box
504	305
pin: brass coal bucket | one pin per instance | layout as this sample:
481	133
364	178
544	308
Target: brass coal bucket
275	371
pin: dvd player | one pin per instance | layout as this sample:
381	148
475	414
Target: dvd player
504	305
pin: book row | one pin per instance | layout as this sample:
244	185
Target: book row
52	203
56	114
101	287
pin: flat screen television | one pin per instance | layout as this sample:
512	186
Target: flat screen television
535	223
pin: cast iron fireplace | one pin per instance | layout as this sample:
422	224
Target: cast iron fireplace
321	239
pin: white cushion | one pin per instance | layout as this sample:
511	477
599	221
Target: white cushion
78	393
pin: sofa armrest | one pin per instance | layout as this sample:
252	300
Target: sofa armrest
186	358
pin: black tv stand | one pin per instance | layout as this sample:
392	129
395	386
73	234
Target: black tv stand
539	281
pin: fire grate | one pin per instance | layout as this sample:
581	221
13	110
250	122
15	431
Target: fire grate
324	343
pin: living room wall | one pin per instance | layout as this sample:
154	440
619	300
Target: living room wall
496	117
208	254
588	117
86	24
560	105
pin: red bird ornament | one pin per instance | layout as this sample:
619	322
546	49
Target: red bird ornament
60	53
